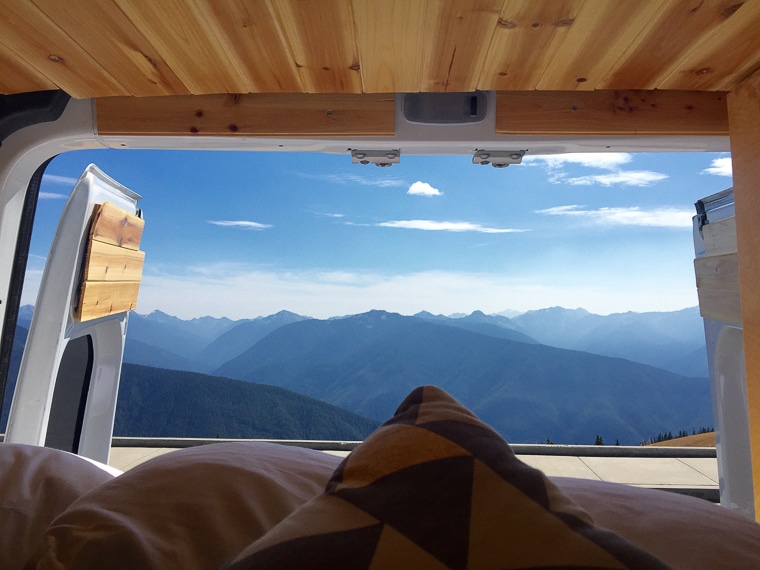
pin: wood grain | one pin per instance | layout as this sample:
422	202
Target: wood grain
655	54
720	237
720	304
514	60
36	40
114	226
744	122
611	113
126	54
718	272
102	298
722	57
248	115
101	48
106	262
601	33
460	45
395	43
322	41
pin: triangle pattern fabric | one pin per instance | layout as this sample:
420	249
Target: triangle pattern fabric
433	487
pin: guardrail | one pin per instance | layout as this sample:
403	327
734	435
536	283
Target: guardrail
518	448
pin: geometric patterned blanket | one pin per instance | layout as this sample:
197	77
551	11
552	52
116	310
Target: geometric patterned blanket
434	487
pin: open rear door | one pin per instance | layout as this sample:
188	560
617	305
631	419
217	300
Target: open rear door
717	271
68	383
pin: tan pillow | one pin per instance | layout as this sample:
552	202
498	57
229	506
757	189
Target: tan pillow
192	508
684	532
434	487
36	485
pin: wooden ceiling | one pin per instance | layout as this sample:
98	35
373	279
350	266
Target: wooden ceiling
104	48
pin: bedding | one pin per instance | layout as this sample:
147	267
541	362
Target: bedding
36	485
433	487
191	508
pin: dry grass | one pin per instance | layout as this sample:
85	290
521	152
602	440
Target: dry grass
699	440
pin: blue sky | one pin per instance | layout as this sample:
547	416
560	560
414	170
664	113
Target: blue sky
248	234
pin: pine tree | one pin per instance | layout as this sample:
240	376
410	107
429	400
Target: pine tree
599	440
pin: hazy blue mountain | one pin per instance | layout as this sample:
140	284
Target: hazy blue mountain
243	336
25	314
19	340
528	392
165	403
492	325
664	339
137	352
206	328
167	333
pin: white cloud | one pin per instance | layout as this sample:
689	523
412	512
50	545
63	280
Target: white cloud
244	224
423	189
623	177
52	196
631	216
610	162
431	225
56	179
720	167
604	160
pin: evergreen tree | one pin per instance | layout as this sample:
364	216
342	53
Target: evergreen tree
599	440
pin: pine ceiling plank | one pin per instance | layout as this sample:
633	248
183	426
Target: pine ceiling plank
261	114
615	112
185	35
598	38
17	76
252	37
394	40
47	50
103	30
526	40
463	35
673	34
320	37
723	57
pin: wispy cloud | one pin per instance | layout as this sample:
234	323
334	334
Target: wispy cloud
720	167
623	177
631	216
604	160
243	224
431	225
56	179
325	294
330	215
420	188
611	162
52	196
383	182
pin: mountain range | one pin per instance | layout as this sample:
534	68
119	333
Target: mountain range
566	375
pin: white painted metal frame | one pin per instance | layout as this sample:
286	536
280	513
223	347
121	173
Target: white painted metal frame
54	325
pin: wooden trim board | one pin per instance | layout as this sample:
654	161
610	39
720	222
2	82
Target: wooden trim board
113	264
113	225
260	114
618	112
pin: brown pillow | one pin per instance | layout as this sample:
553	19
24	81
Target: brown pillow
434	487
36	485
192	508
